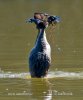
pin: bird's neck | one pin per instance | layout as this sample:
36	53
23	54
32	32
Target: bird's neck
41	40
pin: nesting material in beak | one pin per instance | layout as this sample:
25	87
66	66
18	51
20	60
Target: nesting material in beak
45	18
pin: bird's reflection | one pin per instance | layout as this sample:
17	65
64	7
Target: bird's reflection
40	89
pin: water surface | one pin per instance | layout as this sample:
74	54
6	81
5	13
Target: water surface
65	77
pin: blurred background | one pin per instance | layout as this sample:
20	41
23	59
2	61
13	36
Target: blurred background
18	37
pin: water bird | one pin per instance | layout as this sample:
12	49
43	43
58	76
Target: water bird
40	55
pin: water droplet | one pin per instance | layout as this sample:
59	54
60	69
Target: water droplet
59	49
7	89
44	92
24	91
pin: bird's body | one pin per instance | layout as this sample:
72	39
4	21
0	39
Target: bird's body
40	56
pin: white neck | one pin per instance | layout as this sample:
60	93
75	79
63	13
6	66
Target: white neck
42	44
41	39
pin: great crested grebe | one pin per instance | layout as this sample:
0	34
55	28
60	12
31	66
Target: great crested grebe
40	55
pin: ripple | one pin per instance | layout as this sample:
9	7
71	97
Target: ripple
51	74
67	75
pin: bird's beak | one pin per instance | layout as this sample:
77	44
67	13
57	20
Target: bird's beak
33	20
29	20
57	19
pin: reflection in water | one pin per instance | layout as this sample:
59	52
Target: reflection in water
41	88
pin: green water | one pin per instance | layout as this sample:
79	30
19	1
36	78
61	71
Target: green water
17	38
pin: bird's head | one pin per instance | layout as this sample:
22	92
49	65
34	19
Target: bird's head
43	20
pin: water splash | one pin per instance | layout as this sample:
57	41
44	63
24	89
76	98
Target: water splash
52	74
14	75
65	75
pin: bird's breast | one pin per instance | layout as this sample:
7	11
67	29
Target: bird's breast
47	50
